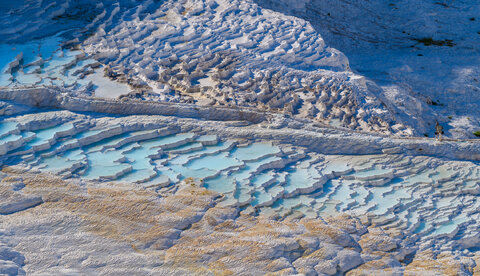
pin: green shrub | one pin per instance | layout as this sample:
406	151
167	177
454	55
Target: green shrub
428	41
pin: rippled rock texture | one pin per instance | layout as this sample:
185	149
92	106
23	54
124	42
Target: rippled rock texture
422	55
225	53
390	200
202	137
121	229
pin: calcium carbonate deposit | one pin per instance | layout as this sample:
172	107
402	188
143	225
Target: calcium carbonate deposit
228	137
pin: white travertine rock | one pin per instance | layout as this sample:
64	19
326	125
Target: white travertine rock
232	133
199	52
16	203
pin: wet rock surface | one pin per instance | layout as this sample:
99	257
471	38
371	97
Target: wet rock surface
345	211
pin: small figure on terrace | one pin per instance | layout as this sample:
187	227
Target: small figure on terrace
438	131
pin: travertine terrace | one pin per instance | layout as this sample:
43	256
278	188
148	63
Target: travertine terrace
226	137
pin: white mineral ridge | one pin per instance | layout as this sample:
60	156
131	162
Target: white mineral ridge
18	203
383	41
